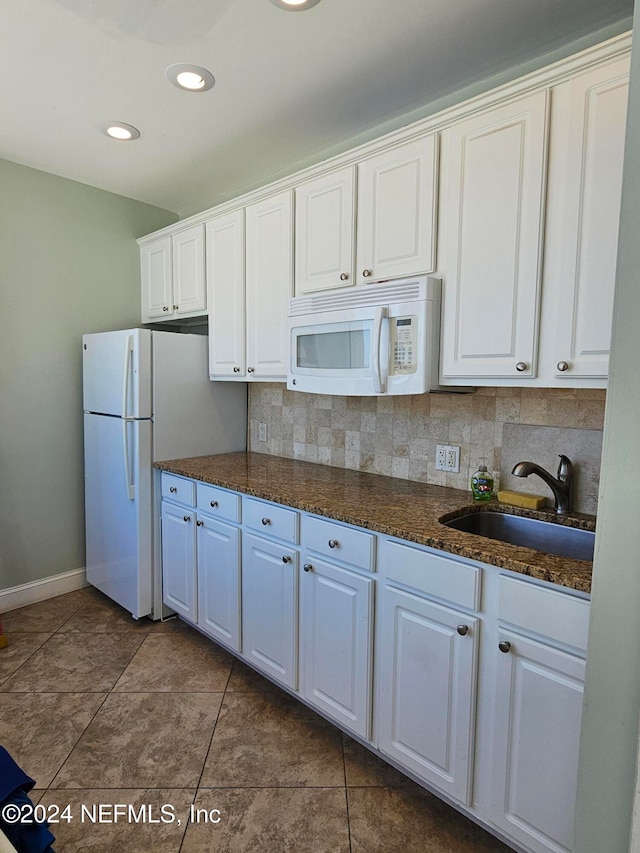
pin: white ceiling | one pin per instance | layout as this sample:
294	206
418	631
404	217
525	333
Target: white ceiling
291	87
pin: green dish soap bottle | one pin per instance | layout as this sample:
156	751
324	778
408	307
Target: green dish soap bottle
482	483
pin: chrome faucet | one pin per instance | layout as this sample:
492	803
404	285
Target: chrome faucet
562	486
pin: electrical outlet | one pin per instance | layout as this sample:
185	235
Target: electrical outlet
453	459
441	457
262	431
447	458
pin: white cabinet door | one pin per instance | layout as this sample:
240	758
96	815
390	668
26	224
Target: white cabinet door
189	287
336	624
427	677
270	608
325	222
535	745
179	560
225	294
589	238
156	279
491	227
219	581
269	274
396	212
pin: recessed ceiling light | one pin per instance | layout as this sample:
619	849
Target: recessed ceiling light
121	131
190	78
295	5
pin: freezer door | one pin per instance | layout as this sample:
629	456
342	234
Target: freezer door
116	373
118	477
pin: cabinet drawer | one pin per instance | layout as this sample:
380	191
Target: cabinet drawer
554	614
339	543
271	519
178	489
442	577
218	502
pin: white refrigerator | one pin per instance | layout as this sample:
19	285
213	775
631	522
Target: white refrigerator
146	398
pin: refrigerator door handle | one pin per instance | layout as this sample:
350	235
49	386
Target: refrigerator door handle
128	365
128	472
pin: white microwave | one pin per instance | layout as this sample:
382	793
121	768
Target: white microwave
369	340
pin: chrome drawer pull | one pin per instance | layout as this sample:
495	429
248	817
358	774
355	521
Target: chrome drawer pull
333	543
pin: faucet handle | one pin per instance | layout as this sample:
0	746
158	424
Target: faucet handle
565	468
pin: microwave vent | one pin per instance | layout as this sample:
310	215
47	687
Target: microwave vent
362	296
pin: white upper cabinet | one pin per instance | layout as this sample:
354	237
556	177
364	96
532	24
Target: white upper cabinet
157	279
225	288
325	221
189	286
396	212
173	276
249	279
269	285
392	196
590	151
491	239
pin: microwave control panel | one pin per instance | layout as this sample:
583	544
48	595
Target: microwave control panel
404	345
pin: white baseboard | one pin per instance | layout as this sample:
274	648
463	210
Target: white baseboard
30	593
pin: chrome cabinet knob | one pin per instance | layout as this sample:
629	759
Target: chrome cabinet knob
266	521
286	559
333	543
367	273
308	567
294	382
562	366
463	630
214	503
250	369
504	646
344	276
186	518
173	489
199	523
520	366
165	307
236	370
175	307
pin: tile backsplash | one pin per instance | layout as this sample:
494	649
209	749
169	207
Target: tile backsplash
397	436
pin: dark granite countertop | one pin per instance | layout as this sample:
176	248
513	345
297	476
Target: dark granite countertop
388	505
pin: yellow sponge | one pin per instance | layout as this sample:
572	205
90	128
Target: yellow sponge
521	499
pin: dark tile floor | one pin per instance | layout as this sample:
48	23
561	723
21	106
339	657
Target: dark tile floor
104	711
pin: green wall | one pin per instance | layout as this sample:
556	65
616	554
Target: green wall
68	264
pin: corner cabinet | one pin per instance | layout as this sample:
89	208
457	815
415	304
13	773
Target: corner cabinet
249	282
491	226
391	196
172	272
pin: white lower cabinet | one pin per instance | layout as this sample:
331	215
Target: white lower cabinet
201	557
179	559
270	607
537	733
336	634
538	656
219	581
478	671
427	664
427	670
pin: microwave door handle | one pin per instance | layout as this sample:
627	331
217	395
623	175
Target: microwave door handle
376	339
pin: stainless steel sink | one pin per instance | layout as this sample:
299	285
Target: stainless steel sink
544	536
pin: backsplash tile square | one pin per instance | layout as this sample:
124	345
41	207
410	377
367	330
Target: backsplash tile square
397	436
